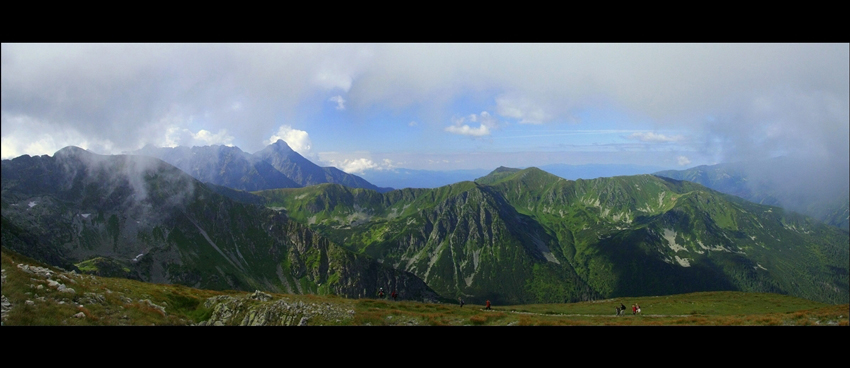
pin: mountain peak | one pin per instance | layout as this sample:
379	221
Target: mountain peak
70	151
502	169
500	173
280	145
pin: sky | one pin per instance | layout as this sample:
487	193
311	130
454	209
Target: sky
366	107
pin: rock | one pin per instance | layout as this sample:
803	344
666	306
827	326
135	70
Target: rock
64	289
261	296
303	321
92	298
160	308
80	315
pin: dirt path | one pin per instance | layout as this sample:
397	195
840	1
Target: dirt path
595	315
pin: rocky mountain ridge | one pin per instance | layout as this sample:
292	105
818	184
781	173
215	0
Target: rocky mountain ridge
524	236
143	218
276	166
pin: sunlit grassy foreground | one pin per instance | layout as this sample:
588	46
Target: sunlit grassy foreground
30	299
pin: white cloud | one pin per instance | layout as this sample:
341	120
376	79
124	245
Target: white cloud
482	130
298	140
791	97
172	138
340	102
210	139
683	160
523	109
486	121
176	136
357	165
654	137
412	123
331	80
24	135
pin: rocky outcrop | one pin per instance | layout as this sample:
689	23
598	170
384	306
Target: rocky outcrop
261	309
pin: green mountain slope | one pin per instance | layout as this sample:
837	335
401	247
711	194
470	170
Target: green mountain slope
802	186
142	218
522	236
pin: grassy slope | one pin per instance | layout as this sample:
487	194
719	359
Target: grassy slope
117	301
606	229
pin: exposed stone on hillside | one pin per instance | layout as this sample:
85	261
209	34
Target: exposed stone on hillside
251	311
149	303
261	296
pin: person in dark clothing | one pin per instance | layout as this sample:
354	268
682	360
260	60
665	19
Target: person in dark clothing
460	300
394	295
622	308
381	293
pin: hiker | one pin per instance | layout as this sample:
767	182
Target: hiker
634	309
460	300
394	295
487	306
381	293
622	308
638	308
617	313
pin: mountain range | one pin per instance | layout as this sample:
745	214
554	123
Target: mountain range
140	217
276	166
512	236
410	178
526	236
799	185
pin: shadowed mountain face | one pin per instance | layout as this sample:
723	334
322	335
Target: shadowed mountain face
276	166
526	236
142	218
798	185
280	156
222	165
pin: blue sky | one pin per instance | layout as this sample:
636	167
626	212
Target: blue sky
365	107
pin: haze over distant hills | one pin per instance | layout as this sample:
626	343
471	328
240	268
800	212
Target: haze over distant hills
408	178
805	186
276	166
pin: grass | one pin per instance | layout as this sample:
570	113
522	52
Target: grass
116	301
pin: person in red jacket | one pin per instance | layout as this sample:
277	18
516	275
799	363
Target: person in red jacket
487	306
